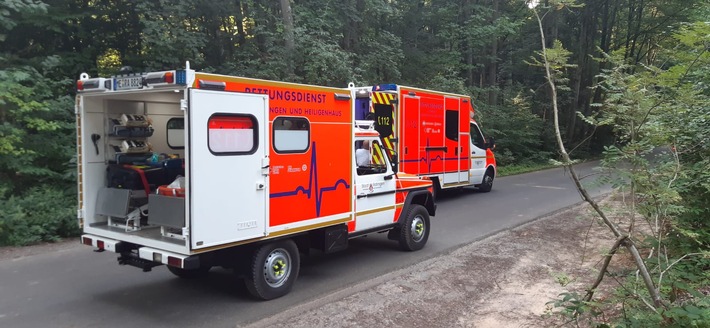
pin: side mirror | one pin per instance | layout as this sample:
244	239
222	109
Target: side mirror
395	163
491	144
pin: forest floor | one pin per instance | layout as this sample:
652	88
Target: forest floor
506	280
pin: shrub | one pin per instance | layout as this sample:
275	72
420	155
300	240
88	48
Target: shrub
45	213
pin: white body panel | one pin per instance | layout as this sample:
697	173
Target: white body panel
478	158
228	192
375	198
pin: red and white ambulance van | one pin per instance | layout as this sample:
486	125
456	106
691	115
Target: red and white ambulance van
195	170
433	133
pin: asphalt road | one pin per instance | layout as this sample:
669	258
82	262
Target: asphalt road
78	288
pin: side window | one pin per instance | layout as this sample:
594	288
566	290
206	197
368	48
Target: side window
291	134
370	157
232	134
176	133
452	125
477	137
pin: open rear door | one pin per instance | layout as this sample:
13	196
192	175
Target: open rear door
228	168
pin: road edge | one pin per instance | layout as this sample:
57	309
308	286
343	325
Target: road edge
362	286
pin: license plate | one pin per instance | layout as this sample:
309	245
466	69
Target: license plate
127	83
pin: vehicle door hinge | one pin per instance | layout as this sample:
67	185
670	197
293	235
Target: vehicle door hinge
265	166
183	104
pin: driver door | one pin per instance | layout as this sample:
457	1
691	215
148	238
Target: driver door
374	188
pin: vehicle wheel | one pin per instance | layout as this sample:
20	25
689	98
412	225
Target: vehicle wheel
487	183
274	269
189	273
414	231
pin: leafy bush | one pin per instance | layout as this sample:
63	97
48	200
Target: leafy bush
43	214
521	136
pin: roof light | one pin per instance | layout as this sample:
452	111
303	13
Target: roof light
181	77
160	78
212	85
85	84
385	87
342	96
169	77
362	93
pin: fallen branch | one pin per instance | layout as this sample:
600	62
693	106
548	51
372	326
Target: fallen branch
602	271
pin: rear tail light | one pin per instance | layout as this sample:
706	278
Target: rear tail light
174	261
100	244
80	85
86	241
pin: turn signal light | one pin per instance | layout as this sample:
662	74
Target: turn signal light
168	78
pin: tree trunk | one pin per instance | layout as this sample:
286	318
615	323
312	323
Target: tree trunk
289	42
239	17
493	65
470	73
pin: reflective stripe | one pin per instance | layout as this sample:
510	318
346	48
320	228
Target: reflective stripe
382	98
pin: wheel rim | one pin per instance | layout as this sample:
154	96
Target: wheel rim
418	228
277	267
488	179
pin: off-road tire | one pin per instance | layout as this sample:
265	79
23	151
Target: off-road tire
414	230
274	269
487	183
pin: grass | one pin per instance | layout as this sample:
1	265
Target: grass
522	168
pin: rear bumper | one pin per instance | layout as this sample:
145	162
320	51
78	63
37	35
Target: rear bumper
140	256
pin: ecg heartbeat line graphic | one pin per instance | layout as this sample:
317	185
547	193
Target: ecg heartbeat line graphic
313	190
430	161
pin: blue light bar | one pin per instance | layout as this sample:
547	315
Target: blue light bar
180	77
385	87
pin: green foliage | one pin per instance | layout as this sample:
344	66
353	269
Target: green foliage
31	115
688	305
171	34
521	136
36	139
10	9
41	214
572	305
506	170
660	116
